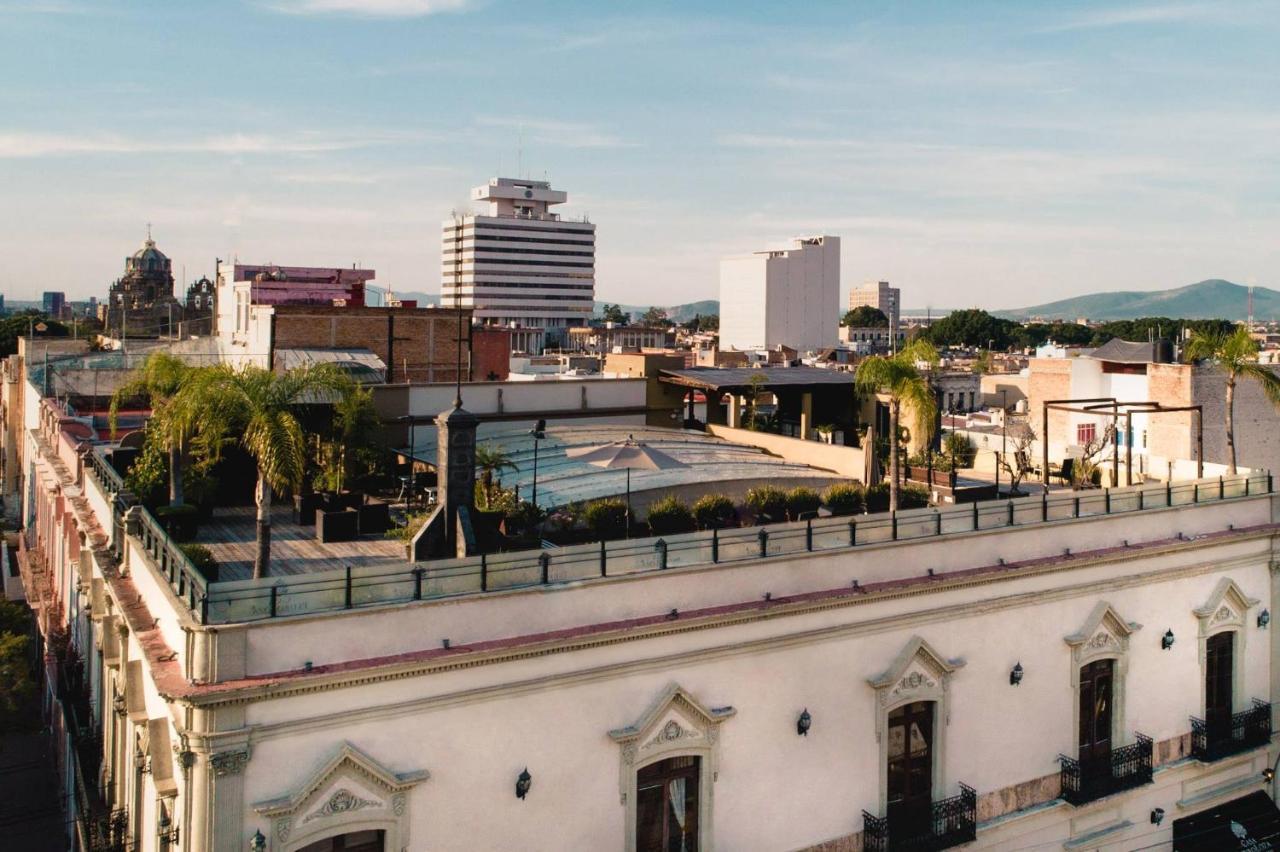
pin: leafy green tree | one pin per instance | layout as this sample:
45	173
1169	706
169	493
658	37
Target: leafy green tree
864	316
158	381
491	461
355	449
655	317
754	385
258	408
1236	355
614	314
973	327
24	325
901	379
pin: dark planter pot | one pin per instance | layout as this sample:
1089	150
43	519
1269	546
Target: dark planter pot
375	517
342	525
304	508
351	499
180	522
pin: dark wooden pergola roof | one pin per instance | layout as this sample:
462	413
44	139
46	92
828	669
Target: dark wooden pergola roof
730	379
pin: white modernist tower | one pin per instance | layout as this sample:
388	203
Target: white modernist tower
520	264
788	296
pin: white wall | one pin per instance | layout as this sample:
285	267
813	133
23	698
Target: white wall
787	297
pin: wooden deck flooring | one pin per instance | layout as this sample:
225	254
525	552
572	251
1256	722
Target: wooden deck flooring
231	538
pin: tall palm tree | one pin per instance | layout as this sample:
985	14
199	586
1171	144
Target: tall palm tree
159	379
1236	354
258	408
491	461
901	379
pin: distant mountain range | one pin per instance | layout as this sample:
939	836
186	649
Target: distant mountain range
677	313
1211	299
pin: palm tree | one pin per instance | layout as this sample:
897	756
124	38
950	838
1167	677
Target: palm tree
159	380
899	376
258	408
491	461
1237	356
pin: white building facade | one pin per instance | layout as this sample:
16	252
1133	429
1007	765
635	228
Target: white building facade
788	296
520	264
882	297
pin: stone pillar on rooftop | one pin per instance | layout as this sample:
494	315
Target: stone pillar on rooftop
456	471
806	415
735	412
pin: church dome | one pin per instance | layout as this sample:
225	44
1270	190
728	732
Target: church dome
148	258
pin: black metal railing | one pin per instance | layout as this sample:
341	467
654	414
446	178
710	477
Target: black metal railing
950	822
1241	732
1094	777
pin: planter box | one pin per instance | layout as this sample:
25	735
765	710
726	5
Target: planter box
342	525
304	508
375	517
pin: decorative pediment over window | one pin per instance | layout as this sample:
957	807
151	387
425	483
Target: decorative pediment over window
1226	607
919	673
1103	634
351	791
677	723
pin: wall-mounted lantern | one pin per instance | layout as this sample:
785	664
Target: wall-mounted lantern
804	723
1264	618
523	783
258	843
1166	641
1015	675
1157	816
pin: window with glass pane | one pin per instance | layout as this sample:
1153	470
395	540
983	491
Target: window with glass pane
667	806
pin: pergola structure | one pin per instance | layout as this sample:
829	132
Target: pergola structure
1116	409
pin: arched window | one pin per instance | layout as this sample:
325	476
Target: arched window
356	841
667	805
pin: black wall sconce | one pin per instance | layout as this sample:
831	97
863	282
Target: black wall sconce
1166	641
1264	618
1157	816
523	783
804	723
258	843
1015	675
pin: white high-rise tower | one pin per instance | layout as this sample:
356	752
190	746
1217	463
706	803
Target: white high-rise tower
520	264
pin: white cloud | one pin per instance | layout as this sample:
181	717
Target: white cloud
369	8
28	145
1164	13
567	134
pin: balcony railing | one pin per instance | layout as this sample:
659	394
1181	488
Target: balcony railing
1090	779
951	822
1242	732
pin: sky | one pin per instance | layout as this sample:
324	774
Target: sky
988	154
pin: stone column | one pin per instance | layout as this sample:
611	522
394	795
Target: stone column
456	470
806	415
735	412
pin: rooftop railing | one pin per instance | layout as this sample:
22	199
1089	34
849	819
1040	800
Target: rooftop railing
372	585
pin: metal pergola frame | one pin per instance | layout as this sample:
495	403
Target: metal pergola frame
1099	405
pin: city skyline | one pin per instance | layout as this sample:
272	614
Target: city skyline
1013	155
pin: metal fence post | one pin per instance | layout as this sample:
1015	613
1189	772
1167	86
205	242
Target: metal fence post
1142	503
853	533
1246	485
975	515
715	545
484	572
893	520
808	534
937	522
1222	488
604	560
275	595
1010	518
1075	508
661	547
1044	505
1195	493
1106	500
204	609
763	535
417	584
544	561
1168	492
347	602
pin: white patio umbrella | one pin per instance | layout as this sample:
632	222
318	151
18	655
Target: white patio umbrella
630	455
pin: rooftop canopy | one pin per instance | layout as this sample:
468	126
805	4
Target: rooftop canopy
730	379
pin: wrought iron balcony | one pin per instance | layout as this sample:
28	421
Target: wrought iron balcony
1244	731
951	822
1092	778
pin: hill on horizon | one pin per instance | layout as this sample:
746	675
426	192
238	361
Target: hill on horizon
1210	299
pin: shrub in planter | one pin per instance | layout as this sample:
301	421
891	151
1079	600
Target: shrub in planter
607	518
877	497
670	515
960	447
714	511
801	500
180	522
844	498
912	496
202	558
767	500
523	517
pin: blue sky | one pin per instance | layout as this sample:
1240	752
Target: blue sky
975	153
